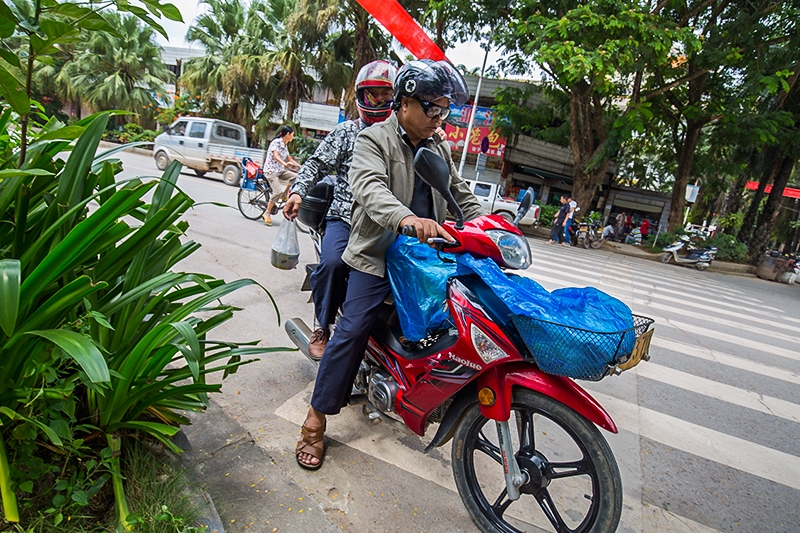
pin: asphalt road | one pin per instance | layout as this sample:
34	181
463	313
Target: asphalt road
709	428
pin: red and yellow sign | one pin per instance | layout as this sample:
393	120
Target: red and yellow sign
456	136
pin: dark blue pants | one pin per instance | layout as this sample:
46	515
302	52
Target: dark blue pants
343	354
329	279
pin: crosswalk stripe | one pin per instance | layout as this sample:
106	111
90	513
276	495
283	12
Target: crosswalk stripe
733	339
774	322
720	391
726	359
717	320
710	444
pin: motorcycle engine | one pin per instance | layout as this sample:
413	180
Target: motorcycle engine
382	390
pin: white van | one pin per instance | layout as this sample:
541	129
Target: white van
206	144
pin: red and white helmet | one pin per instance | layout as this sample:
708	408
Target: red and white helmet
376	74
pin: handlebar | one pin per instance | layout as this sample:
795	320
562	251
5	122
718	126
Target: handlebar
437	242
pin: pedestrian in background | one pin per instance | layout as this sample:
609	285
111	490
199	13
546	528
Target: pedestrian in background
645	227
557	233
570	215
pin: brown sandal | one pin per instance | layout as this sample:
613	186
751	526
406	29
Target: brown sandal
311	443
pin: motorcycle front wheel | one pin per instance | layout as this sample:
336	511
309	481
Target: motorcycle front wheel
598	243
573	482
666	258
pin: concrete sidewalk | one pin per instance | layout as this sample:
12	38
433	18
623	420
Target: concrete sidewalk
247	490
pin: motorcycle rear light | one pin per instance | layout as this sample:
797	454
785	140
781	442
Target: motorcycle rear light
487	349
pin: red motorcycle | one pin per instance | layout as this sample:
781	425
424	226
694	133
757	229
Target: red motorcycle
545	464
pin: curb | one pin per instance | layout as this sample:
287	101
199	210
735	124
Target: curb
721	267
135	150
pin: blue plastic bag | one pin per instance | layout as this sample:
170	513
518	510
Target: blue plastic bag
419	286
575	332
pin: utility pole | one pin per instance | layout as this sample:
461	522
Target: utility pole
472	115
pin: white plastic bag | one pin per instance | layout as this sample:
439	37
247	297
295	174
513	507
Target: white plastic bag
286	249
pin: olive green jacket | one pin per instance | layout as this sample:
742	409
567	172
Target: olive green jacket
382	182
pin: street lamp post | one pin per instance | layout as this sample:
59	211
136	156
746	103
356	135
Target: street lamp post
472	116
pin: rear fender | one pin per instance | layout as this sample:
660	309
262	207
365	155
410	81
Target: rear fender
502	379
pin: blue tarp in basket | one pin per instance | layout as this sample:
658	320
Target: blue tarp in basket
575	332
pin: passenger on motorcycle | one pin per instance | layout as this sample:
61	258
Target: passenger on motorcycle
387	196
333	157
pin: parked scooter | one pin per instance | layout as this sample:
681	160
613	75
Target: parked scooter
526	449
701	258
589	234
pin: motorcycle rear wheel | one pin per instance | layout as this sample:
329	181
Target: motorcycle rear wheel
573	480
586	240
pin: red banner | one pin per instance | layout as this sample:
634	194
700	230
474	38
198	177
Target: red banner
456	136
405	29
788	192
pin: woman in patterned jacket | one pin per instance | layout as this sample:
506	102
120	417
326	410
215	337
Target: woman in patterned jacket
333	158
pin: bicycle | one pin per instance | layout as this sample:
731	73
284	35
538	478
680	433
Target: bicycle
253	201
253	198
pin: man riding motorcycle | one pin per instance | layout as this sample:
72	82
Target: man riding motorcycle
387	197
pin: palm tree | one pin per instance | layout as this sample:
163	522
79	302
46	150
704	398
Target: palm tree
233	76
122	71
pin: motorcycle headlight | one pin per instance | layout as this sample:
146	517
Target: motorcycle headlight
514	248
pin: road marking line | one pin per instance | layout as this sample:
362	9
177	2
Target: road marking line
734	452
719	321
720	391
733	339
722	358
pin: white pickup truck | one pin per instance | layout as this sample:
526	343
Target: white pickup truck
490	199
206	144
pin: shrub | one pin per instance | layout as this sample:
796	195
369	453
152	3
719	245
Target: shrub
548	213
730	249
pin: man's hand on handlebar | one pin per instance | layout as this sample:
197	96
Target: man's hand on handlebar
425	229
292	206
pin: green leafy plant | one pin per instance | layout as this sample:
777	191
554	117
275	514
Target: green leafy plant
92	316
548	213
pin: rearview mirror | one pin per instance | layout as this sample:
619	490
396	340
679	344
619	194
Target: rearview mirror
168	130
434	170
524	205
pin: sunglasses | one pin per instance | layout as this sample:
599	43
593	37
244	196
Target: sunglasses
432	110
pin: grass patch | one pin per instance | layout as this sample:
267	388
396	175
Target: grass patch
160	496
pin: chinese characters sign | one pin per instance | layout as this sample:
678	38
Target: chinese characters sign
456	129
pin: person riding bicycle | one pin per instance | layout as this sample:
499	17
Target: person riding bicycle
387	196
333	157
277	168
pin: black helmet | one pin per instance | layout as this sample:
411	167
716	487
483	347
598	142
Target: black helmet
315	205
430	80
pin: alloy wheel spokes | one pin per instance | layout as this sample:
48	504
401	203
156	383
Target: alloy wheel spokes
488	448
525	428
550	511
501	504
569	469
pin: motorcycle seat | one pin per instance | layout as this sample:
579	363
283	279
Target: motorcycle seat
387	331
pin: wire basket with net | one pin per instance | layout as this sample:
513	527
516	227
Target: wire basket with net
580	353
